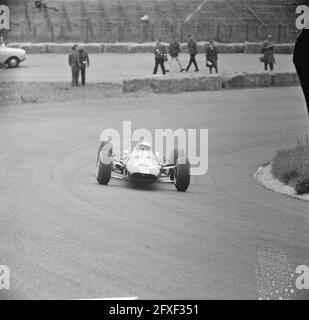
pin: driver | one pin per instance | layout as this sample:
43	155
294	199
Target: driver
144	146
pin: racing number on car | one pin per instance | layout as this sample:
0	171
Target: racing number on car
4	17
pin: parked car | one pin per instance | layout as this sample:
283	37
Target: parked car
12	56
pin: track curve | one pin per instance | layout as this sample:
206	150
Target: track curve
64	236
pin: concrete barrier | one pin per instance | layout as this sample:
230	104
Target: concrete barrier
114	48
284	48
234	81
136	85
258	80
189	84
31	92
210	82
239	47
185	83
284	79
166	85
35	48
91	47
141	47
30	47
226	48
60	48
14	45
253	47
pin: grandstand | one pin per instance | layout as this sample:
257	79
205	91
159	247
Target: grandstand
119	20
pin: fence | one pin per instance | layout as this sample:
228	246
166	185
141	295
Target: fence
98	22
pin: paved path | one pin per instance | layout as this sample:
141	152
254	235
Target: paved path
116	67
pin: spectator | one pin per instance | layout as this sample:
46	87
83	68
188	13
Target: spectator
268	54
192	48
212	56
84	62
160	56
75	65
174	50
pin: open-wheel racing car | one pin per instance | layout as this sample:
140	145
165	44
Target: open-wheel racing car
142	166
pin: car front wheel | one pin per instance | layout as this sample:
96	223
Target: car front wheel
13	62
182	174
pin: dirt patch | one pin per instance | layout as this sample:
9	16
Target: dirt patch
32	92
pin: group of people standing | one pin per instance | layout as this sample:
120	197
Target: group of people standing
78	61
161	56
79	58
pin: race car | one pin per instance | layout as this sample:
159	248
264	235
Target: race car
142	166
11	56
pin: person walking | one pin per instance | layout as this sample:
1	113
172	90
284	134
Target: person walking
192	48
84	63
75	65
268	54
160	57
174	50
211	56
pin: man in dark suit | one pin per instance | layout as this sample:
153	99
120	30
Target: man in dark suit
268	54
192	48
75	65
212	56
84	62
160	56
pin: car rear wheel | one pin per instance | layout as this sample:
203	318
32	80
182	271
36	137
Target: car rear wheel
104	163
13	62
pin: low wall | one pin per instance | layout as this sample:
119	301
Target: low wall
245	47
31	92
176	84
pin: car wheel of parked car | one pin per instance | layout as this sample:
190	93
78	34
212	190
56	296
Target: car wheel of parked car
104	163
13	62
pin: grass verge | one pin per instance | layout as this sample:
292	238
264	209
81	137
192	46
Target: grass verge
291	167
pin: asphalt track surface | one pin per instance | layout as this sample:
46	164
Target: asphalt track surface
116	67
65	237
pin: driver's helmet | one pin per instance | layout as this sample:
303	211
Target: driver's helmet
144	146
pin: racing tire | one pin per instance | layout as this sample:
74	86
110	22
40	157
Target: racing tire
104	169
182	174
13	62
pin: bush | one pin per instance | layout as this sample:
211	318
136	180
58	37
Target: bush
292	167
302	187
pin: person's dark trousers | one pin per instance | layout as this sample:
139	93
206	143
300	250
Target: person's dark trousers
215	66
159	62
75	76
192	60
300	59
271	66
83	74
